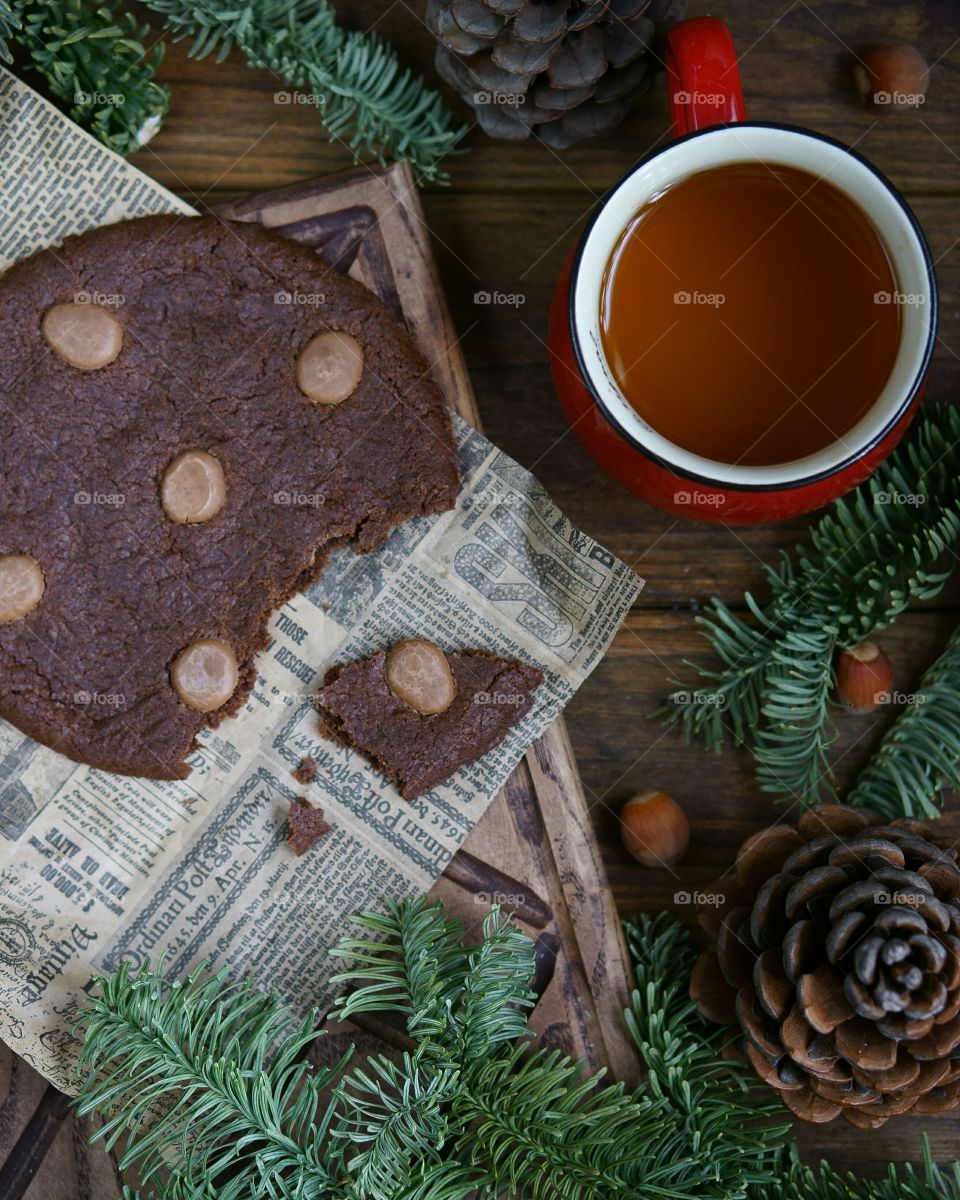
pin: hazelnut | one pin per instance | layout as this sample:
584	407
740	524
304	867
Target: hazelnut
864	676
654	828
891	77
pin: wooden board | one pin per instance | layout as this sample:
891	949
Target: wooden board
533	850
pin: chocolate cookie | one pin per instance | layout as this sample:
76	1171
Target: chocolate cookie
399	729
196	411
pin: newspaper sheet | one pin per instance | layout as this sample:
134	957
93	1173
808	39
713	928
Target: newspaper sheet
97	868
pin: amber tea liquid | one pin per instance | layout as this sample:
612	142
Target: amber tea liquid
748	314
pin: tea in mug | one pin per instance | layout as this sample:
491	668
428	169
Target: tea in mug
749	313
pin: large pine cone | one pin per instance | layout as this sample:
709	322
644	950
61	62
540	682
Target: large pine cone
839	956
564	68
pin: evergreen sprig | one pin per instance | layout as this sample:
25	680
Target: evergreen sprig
93	59
888	543
354	79
363	95
919	755
9	24
207	1083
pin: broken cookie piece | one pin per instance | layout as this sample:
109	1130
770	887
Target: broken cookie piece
419	750
307	825
306	770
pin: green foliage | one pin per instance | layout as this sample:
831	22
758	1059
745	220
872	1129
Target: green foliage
206	1082
919	755
363	95
799	1182
875	551
94	60
758	1160
9	24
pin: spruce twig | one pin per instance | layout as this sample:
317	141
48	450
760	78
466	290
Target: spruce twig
207	1083
919	755
94	60
9	25
363	95
874	552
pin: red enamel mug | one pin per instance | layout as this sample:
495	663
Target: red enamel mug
710	127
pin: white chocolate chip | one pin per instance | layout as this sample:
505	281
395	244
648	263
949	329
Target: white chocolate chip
205	674
87	336
193	489
21	586
417	672
329	367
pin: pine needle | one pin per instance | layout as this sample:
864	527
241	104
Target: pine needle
875	551
362	94
206	1085
919	755
93	59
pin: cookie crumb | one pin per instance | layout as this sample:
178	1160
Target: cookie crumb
306	772
307	825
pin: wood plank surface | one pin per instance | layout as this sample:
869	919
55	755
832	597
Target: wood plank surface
504	224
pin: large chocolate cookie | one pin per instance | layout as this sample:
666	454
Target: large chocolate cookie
194	412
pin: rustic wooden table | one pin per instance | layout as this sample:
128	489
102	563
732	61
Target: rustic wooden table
503	225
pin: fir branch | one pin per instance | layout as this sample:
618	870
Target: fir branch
363	95
919	755
182	1069
9	25
739	1134
93	59
799	1182
208	1082
874	552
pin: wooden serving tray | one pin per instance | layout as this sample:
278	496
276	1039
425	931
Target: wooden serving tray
533	850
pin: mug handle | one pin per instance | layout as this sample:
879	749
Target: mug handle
702	77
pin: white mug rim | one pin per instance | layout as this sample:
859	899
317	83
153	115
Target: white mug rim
731	476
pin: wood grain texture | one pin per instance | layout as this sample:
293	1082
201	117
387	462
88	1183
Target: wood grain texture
504	224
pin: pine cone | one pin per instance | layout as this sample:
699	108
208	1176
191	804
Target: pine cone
566	69
838	953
